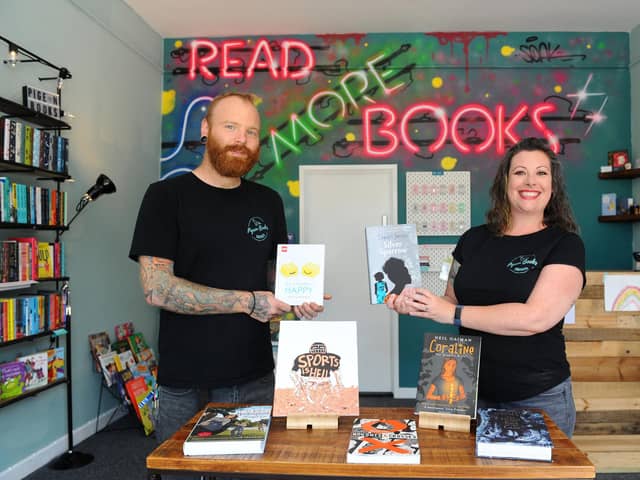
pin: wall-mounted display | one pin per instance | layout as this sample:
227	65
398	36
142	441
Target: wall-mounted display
439	203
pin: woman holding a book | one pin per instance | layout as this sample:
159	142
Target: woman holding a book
511	282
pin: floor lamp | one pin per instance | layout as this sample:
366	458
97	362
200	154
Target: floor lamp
72	458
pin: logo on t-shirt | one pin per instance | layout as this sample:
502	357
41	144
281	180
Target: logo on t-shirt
258	229
523	264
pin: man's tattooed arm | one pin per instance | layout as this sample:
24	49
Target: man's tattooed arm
163	289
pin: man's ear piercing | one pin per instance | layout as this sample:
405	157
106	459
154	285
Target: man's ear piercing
203	139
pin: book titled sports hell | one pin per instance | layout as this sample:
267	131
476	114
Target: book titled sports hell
393	260
515	433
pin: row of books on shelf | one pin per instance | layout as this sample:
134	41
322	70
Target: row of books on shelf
32	204
501	433
25	144
27	315
128	366
28	372
27	258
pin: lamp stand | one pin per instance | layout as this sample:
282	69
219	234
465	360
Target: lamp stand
69	459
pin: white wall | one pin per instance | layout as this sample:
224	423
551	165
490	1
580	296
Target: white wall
115	94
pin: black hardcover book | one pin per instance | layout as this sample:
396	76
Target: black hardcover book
516	433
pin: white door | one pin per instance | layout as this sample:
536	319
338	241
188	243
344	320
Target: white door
336	203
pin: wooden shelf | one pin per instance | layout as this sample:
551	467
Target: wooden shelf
618	218
631	173
13	109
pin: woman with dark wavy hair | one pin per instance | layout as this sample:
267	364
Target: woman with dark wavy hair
511	282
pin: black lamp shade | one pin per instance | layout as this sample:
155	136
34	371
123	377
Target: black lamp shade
103	185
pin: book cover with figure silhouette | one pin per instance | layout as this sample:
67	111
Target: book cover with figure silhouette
448	378
384	441
300	273
393	260
514	433
316	369
229	431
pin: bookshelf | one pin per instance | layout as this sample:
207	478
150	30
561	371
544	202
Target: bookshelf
34	224
35	152
619	175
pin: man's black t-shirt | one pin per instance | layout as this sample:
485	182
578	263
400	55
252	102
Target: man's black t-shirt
222	238
505	269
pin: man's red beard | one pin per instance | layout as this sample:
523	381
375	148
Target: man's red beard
229	165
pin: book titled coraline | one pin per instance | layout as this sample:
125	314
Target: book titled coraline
514	433
393	260
300	273
221	431
383	441
448	378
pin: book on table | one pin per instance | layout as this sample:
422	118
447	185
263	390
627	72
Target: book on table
448	378
392	260
514	433
233	430
300	273
384	441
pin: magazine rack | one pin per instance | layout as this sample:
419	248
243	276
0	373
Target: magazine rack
448	421
317	422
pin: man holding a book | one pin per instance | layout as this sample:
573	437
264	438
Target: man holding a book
204	241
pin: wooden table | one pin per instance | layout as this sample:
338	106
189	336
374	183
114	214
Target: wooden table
322	454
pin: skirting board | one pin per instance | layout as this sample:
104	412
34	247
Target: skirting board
42	457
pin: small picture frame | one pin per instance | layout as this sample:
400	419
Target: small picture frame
618	159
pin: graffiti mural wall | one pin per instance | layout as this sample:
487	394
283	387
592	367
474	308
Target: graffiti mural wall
431	101
449	101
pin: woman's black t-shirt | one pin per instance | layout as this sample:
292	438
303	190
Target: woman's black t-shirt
504	269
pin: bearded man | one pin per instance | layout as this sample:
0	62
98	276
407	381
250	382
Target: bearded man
204	241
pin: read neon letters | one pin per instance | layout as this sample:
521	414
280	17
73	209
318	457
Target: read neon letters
203	54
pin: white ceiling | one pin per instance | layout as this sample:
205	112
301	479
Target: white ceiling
216	18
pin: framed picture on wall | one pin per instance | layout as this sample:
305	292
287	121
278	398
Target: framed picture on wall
618	159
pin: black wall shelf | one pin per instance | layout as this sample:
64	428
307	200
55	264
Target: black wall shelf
13	109
620	174
618	218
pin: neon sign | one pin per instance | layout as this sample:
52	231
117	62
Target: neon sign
204	53
499	127
353	88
